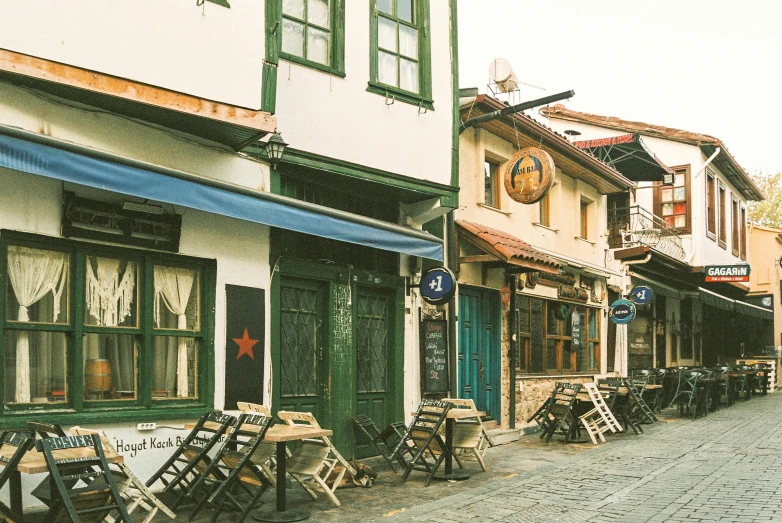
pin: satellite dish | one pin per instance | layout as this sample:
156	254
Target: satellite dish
502	74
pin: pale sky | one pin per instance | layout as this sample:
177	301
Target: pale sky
713	67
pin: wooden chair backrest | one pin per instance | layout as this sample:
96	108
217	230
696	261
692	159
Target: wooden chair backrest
298	419
246	407
22	442
462	403
46	430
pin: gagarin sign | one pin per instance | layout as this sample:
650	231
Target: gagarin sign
530	175
727	273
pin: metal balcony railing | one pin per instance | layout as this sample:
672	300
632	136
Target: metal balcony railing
634	226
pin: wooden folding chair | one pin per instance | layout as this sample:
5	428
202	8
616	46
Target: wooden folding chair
46	430
94	494
232	468
191	458
132	489
559	417
384	441
469	434
600	419
423	442
265	455
13	446
315	458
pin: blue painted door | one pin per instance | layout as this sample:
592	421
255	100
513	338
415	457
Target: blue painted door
479	348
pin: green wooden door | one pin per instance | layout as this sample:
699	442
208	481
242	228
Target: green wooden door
374	361
303	365
479	348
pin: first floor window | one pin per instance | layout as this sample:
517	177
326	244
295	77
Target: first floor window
138	315
491	184
672	203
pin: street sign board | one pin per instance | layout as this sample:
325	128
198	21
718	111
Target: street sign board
622	311
437	285
641	294
727	273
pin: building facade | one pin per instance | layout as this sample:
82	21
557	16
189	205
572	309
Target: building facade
157	262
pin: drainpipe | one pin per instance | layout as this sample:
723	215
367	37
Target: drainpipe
513	347
516	108
706	164
452	317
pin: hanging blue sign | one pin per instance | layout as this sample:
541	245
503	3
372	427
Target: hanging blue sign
641	294
437	286
621	312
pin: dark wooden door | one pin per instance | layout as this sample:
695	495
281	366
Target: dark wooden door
374	357
479	348
618	217
303	364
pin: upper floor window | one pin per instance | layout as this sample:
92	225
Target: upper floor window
723	208
400	51
672	204
743	233
735	237
491	184
584	214
313	33
544	210
711	211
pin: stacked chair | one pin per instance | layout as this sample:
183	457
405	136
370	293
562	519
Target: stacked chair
600	419
469	434
20	442
384	441
559	417
422	447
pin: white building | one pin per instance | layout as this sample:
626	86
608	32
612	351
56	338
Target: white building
137	200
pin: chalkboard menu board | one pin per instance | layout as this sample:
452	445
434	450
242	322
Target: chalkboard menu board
434	354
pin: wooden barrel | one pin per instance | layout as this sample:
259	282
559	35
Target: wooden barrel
97	376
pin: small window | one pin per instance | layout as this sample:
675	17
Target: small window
735	237
310	30
743	234
585	208
723	208
711	197
544	215
491	184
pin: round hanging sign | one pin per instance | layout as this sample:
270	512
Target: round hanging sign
621	312
437	285
530	175
641	294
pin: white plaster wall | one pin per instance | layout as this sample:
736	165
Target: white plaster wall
337	117
208	51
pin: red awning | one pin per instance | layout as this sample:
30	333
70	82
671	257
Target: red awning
629	155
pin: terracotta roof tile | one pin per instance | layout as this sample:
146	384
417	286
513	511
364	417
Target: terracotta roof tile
508	248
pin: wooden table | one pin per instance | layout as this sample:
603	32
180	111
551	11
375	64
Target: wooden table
281	434
34	462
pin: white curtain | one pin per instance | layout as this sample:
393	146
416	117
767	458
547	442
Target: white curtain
33	274
109	299
175	286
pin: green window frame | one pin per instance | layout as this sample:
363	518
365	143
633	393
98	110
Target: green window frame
389	21
299	15
143	326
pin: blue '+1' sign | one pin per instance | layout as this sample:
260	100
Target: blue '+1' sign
437	286
641	294
621	312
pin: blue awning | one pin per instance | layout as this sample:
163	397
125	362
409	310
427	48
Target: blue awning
214	197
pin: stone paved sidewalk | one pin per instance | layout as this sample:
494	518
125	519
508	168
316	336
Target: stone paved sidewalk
724	467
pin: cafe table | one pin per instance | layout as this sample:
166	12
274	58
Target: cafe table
34	462
450	420
281	434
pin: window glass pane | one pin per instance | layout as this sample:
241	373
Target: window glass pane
35	367
680	222
404	10
667	209
567	324
552	321
667	195
37	286
292	37
318	12
489	171
318	46
408	41
174	367
386	68
523	304
680	208
110	371
669	221
385	6
592	324
386	34
408	75
678	180
111	292
678	193
591	354
551	354
567	356
176	298
293	8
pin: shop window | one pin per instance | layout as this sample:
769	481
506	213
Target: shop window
545	331
723	208
735	237
491	184
313	34
400	51
134	311
711	211
672	204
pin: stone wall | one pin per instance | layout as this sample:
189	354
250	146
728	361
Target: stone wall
534	393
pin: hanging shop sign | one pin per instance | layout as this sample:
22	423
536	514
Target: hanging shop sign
530	175
641	294
572	293
437	286
727	273
575	331
552	280
622	312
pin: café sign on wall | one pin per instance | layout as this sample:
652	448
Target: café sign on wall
530	175
727	273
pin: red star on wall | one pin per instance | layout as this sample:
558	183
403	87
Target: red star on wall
245	345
